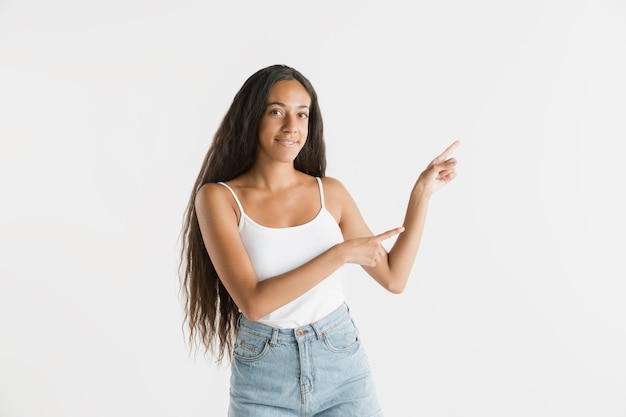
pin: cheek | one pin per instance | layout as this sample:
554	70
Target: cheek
304	130
304	136
263	130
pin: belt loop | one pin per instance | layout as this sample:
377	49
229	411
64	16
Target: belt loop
320	334
274	338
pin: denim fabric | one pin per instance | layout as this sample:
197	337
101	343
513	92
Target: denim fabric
312	371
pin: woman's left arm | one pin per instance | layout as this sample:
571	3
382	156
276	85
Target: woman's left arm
392	269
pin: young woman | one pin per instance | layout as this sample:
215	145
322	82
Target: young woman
264	240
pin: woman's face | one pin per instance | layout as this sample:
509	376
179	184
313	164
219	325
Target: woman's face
285	124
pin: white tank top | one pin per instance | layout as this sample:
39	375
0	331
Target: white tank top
274	251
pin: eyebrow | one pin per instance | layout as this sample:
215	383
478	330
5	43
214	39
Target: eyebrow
278	103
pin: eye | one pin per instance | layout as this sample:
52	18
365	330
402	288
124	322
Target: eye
276	112
303	115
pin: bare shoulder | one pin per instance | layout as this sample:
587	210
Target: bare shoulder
335	189
214	198
338	199
209	193
332	184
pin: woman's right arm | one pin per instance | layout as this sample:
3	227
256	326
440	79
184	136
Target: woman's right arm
217	216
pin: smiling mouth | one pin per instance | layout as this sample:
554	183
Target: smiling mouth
287	142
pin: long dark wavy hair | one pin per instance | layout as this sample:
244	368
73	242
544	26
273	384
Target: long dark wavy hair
211	315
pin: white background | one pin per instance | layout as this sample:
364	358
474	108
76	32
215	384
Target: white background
516	305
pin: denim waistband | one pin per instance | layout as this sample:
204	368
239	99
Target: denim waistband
317	329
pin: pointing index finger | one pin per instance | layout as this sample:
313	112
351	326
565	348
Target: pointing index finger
389	233
449	150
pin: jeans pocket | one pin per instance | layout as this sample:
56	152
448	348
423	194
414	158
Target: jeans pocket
250	347
343	338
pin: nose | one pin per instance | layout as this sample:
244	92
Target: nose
290	124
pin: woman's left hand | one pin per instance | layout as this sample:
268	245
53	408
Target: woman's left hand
438	173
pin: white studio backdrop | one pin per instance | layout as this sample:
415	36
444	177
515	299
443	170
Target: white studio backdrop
516	303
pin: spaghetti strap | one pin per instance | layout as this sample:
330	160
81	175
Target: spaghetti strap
319	182
234	196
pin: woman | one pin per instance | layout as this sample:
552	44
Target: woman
265	237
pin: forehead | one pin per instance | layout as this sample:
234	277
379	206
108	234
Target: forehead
289	92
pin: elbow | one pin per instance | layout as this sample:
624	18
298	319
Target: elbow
252	312
397	285
393	283
253	304
395	288
253	316
249	313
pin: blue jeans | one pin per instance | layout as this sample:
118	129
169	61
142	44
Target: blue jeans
312	371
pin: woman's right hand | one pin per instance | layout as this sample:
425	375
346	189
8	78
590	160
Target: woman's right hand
367	251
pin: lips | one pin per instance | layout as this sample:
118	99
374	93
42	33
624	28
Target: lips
287	142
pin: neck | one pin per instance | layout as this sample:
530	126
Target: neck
273	176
